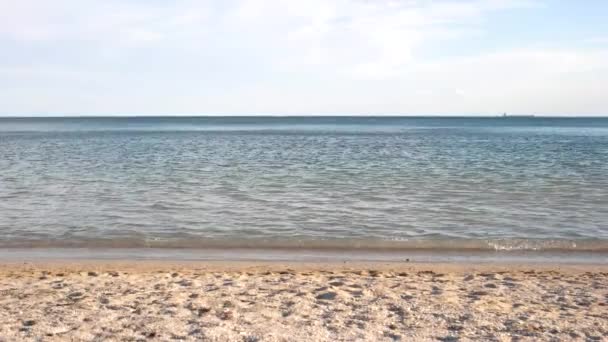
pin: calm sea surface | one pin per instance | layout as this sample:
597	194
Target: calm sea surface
305	182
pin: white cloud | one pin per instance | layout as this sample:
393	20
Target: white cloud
281	56
32	21
372	39
524	81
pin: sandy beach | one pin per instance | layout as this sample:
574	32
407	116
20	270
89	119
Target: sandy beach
244	301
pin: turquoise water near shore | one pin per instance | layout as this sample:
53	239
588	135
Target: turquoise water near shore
368	183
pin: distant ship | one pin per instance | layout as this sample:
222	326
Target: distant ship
504	115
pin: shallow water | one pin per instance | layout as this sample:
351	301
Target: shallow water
324	183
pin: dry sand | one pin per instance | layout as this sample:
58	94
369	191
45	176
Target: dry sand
140	301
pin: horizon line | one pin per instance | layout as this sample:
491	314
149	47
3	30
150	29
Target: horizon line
501	115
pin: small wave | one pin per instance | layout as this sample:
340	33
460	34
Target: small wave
401	245
544	245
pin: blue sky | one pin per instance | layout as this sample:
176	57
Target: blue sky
482	57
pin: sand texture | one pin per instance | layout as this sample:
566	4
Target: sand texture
301	302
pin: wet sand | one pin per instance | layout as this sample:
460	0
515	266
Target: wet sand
246	301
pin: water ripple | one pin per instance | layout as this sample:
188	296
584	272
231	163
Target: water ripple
397	184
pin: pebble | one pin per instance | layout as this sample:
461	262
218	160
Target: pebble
75	295
327	296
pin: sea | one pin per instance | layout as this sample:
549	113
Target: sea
367	187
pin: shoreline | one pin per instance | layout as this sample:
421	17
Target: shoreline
72	265
57	300
302	255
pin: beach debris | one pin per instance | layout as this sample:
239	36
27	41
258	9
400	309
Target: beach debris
392	336
211	287
436	290
201	311
184	283
76	295
195	332
225	315
29	322
149	333
92	274
374	273
58	284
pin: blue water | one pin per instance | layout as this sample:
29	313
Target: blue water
305	182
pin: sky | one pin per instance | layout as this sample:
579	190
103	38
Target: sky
298	57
